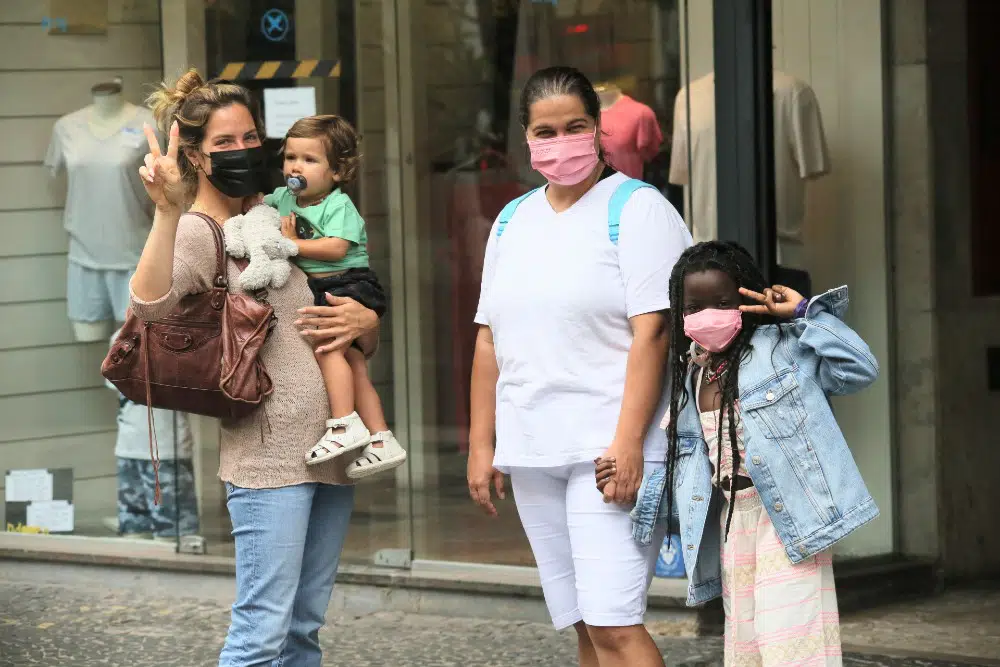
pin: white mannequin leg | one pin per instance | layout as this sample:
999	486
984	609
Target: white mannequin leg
91	332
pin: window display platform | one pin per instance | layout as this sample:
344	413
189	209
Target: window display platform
470	589
448	589
445	525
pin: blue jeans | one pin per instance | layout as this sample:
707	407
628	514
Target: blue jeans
288	544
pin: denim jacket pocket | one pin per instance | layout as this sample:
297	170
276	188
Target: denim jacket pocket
687	443
776	405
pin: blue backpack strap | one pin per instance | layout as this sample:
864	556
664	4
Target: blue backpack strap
617	203
508	211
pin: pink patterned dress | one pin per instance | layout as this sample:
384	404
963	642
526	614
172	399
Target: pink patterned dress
777	613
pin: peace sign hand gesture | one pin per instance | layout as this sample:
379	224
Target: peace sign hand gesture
160	174
778	300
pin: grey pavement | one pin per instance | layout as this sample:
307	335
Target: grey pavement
55	615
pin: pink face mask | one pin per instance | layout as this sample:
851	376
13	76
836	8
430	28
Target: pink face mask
714	329
564	160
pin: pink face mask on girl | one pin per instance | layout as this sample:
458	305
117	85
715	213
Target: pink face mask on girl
713	329
564	160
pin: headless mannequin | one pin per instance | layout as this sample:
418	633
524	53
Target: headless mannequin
801	155
608	93
630	133
109	111
108	114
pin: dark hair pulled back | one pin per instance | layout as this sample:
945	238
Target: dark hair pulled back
559	80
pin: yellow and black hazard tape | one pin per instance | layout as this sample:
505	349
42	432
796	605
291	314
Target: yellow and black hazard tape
280	69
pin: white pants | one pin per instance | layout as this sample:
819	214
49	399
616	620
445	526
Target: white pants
591	568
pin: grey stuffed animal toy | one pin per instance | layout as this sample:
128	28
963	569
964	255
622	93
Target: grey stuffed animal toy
256	235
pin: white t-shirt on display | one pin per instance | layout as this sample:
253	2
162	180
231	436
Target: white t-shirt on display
108	213
557	295
173	433
172	429
800	153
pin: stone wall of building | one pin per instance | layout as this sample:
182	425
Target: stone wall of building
967	326
946	451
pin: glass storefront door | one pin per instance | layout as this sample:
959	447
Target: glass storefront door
829	133
463	63
466	61
302	57
831	190
433	87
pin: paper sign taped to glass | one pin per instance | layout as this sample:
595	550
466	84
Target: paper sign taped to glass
39	500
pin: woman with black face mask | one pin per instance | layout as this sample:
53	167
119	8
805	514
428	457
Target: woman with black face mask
289	519
240	172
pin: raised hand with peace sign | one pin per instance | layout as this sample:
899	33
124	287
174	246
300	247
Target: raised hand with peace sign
778	300
161	175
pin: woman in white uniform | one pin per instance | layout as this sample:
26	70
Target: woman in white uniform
569	367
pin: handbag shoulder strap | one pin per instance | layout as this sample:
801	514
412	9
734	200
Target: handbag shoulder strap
221	268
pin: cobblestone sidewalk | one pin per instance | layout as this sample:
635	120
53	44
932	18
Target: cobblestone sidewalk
81	617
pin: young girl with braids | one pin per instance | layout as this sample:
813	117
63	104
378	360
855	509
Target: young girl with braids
761	481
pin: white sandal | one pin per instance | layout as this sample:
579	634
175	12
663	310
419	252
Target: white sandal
353	437
374	460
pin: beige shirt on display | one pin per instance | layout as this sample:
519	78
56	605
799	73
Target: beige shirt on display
800	153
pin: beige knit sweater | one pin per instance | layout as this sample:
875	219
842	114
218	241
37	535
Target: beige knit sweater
267	449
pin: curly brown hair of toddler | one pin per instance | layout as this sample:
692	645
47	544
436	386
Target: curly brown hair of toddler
340	138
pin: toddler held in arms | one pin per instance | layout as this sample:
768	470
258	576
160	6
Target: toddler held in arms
320	157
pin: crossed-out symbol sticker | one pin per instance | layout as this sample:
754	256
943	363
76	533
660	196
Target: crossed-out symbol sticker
274	25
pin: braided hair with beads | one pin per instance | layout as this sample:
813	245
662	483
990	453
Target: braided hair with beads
733	260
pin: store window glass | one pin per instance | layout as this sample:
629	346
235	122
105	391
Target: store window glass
75	455
471	59
304	57
830	189
692	164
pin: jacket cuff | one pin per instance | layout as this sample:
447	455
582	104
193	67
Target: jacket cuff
833	302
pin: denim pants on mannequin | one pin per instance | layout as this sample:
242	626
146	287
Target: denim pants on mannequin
288	544
177	512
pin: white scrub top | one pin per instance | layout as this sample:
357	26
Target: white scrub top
557	295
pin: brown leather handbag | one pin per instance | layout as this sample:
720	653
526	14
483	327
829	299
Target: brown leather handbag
203	357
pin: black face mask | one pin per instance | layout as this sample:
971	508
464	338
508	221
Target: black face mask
239	173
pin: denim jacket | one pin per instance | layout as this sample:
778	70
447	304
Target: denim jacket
796	454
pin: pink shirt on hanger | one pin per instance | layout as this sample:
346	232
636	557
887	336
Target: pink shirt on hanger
630	135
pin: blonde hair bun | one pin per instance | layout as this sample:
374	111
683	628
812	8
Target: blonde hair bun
167	100
189	82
